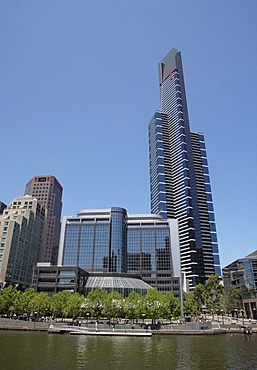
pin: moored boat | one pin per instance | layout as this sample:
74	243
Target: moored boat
111	333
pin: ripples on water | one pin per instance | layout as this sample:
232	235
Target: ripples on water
42	351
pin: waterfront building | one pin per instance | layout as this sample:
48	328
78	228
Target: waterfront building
113	241
21	234
53	279
48	191
242	273
180	185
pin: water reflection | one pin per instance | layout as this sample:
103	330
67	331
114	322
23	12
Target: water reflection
27	351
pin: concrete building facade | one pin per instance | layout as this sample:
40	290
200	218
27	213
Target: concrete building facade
21	235
48	191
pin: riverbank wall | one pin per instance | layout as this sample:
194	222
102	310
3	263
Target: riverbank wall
61	328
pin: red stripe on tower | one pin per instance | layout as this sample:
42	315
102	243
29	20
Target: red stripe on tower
171	73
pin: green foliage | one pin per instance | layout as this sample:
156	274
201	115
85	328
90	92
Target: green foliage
95	302
23	302
114	305
98	303
232	298
171	306
153	304
210	296
74	305
59	303
40	304
8	298
198	295
191	307
132	305
213	293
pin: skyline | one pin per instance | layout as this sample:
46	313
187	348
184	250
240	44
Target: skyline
81	113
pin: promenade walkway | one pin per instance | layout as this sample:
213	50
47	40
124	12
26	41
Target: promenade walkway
57	326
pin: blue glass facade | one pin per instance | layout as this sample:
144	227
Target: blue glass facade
179	175
118	240
113	241
87	246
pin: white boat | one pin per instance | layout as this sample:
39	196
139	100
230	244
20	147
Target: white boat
111	333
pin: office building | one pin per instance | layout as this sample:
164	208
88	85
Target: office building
21	234
242	274
179	176
48	191
53	279
113	241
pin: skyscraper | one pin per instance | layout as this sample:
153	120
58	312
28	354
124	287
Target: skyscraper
179	175
21	234
48	191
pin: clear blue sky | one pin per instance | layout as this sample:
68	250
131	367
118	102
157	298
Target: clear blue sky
79	84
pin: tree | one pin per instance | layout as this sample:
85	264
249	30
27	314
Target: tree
74	305
213	293
232	298
40	303
114	305
191	306
171	306
59	302
94	302
23	300
153	305
198	296
132	305
8	299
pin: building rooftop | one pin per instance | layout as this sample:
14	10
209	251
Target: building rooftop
113	282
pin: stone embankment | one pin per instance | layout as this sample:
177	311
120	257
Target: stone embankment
207	328
11	324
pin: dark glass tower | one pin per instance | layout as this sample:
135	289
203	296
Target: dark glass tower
179	175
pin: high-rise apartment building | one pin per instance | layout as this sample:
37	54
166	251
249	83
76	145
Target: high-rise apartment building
179	175
113	241
48	191
21	234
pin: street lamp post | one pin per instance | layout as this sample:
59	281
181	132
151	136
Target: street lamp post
242	314
254	313
236	314
222	313
143	316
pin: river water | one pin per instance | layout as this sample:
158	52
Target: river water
35	350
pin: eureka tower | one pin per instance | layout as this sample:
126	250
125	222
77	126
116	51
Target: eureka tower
179	175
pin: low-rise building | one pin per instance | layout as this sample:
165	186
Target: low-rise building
242	273
53	279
